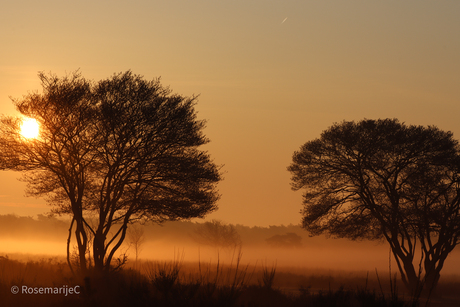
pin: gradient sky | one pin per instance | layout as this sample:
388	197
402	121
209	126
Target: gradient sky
271	75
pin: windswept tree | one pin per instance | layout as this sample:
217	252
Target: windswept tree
119	151
381	179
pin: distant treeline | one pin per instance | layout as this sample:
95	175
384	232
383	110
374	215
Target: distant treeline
54	228
29	228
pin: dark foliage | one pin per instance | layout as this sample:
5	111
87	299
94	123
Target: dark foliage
123	149
381	179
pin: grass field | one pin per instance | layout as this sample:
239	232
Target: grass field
181	283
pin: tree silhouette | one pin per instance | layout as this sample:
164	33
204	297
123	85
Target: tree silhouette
382	179
137	239
217	234
120	150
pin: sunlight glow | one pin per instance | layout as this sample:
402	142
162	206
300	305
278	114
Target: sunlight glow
29	128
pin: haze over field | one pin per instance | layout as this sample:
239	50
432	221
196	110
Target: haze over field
27	238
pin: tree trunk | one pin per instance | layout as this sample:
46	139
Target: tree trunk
68	247
431	281
123	229
408	273
433	267
99	250
412	282
82	242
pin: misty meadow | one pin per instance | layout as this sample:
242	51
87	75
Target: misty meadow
198	265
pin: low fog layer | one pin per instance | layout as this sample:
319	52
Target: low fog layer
287	246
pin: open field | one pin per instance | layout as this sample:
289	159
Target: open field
215	283
175	270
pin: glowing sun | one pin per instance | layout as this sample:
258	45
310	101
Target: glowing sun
29	128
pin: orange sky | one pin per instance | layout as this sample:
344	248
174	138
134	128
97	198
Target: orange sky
271	74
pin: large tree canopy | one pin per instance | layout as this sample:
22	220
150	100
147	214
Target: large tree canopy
117	150
383	179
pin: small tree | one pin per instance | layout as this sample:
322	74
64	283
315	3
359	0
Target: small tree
119	150
380	179
217	234
137	239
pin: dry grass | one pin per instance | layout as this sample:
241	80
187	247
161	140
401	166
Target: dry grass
180	283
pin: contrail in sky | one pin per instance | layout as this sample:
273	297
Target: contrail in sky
284	20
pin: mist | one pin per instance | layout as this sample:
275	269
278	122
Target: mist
284	246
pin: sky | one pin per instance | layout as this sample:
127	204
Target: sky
271	75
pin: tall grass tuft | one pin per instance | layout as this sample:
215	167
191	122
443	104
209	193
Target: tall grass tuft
165	276
268	276
235	281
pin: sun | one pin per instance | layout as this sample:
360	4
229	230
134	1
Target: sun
29	128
